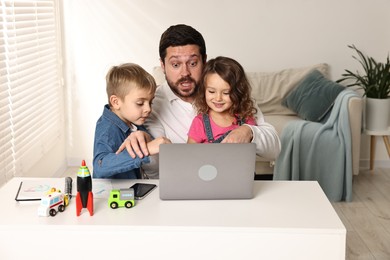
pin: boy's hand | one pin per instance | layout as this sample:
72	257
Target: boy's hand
135	143
153	146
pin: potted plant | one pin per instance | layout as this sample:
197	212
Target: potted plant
375	83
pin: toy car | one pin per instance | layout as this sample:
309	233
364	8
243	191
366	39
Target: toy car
121	198
53	202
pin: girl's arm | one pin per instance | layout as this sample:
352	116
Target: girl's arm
196	133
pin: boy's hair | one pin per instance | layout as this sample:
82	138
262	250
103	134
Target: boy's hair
120	78
240	89
180	35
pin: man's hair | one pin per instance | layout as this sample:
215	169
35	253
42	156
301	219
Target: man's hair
180	35
121	78
240	89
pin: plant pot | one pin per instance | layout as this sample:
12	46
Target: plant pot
377	114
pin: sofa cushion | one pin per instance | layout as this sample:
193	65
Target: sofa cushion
280	121
313	97
158	75
270	88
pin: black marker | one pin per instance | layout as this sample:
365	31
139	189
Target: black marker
68	187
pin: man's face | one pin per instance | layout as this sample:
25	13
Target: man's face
183	67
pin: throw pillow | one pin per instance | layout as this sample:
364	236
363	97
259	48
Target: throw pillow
269	88
313	97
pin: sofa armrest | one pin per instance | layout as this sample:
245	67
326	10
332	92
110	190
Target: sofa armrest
355	122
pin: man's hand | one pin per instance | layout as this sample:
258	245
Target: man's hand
136	143
154	145
242	134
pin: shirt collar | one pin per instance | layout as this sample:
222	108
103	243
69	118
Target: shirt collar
171	96
115	119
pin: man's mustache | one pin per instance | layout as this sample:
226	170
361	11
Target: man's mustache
188	78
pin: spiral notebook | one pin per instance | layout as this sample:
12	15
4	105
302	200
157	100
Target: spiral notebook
30	190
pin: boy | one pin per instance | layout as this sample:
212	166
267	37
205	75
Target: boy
130	91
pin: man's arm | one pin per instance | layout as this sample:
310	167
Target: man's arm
242	134
267	141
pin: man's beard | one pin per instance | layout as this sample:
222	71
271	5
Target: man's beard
176	89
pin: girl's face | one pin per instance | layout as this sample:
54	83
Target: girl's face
135	107
217	93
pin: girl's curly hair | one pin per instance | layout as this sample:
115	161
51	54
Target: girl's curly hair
240	89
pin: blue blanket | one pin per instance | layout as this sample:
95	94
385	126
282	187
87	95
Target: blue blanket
321	152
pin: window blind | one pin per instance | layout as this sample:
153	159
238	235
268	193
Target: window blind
31	95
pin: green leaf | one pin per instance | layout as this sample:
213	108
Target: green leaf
375	81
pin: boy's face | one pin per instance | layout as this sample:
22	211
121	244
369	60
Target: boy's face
135	107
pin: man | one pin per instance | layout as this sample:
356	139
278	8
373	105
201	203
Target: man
182	57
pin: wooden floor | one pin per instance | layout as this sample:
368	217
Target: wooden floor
367	217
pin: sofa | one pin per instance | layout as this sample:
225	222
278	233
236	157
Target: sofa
269	89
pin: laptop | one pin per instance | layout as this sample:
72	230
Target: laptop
206	171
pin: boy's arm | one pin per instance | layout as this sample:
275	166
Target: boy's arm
136	144
107	163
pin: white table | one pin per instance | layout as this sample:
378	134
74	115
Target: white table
285	220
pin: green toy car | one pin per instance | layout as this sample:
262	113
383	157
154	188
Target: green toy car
121	198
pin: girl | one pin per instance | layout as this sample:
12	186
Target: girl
223	101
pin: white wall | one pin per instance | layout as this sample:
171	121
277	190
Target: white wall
263	35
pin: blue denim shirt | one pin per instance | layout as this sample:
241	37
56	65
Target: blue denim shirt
110	133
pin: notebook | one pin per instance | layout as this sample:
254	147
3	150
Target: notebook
206	171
